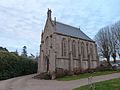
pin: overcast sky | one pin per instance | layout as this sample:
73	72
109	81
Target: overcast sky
22	21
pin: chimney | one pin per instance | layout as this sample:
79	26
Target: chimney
55	20
79	28
49	13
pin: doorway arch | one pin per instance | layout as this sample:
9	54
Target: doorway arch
47	63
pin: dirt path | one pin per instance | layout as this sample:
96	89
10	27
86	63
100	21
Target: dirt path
28	83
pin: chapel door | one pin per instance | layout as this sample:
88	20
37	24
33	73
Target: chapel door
47	64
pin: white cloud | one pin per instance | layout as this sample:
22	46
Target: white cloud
23	20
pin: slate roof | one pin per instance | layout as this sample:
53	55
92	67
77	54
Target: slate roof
71	31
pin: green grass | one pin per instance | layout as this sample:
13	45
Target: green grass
113	84
86	75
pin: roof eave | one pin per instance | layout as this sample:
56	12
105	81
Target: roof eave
74	37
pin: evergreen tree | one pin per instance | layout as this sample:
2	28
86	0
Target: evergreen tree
24	53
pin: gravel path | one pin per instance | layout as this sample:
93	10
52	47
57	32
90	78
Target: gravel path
28	83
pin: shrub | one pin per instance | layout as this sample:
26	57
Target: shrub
12	65
60	72
44	75
77	71
104	69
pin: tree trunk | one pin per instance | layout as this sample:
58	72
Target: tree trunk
108	60
114	57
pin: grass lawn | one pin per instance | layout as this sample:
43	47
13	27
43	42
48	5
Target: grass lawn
113	84
86	75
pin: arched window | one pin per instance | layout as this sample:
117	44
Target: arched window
47	43
74	48
82	50
91	50
87	49
64	50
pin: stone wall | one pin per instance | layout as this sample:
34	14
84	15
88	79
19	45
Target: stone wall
63	61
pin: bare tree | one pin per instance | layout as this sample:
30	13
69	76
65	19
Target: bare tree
113	43
115	40
108	41
117	31
103	42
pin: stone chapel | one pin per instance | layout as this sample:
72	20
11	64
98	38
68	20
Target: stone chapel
66	47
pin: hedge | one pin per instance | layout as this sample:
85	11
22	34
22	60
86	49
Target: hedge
12	65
